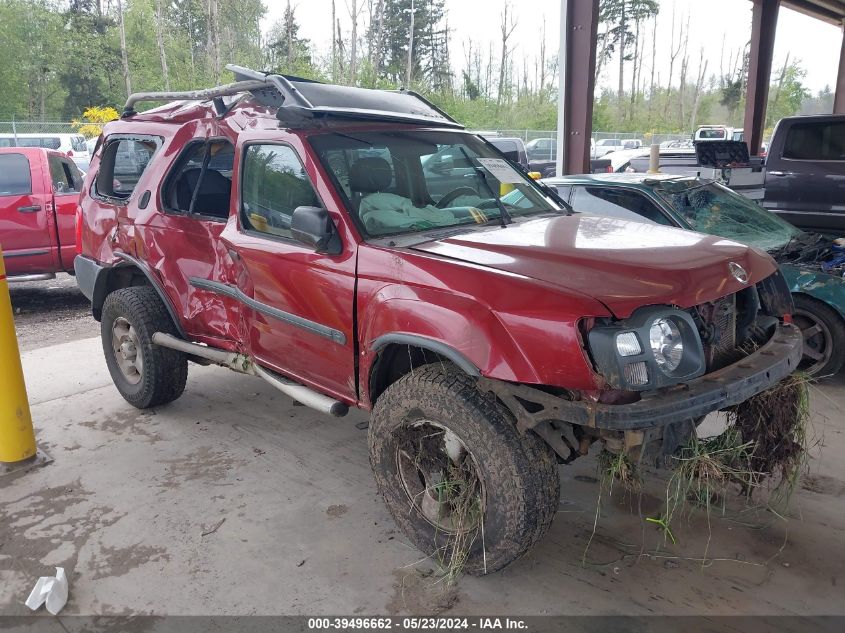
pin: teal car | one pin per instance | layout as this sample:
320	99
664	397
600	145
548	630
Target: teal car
813	265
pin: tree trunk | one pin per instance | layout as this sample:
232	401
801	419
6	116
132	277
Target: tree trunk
699	86
622	27
410	68
340	70
124	57
334	45
353	49
213	38
507	31
160	39
379	38
781	79
542	85
637	64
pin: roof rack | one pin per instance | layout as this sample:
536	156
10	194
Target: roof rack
299	101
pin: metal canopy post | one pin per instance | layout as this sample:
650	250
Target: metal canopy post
839	96
577	64
764	18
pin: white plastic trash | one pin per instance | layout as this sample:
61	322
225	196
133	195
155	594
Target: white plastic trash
49	589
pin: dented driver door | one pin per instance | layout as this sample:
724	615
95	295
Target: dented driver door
298	314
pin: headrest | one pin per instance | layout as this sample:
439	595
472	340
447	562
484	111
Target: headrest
369	175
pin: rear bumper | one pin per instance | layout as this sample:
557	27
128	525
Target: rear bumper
729	386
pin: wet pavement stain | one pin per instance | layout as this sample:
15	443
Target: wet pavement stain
126	423
119	561
48	529
203	464
336	511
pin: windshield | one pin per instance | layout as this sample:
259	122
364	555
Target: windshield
711	208
409	181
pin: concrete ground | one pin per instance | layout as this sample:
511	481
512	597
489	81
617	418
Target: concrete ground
233	501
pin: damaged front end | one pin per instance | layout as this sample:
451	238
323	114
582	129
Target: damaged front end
665	369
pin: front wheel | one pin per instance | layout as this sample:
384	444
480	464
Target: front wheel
824	336
145	374
461	482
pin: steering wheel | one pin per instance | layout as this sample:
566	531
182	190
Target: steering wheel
450	197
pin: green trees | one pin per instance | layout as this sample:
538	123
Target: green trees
64	56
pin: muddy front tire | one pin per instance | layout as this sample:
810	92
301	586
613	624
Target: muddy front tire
145	374
461	482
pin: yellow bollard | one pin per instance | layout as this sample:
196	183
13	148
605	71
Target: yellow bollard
17	439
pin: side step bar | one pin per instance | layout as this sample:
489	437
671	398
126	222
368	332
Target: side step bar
245	365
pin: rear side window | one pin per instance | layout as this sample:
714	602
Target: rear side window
274	184
201	182
15	179
122	163
617	203
815	141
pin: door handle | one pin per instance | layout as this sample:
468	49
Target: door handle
30	209
776	173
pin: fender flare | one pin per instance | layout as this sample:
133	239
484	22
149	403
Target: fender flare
102	286
424	342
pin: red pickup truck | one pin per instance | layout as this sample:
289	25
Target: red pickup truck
39	191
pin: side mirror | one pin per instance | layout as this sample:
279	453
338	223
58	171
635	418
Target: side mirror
313	227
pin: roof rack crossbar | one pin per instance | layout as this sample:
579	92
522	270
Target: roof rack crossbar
281	83
193	95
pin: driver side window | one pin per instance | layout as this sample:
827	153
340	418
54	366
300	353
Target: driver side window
274	183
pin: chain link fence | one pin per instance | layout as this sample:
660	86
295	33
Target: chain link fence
646	137
37	127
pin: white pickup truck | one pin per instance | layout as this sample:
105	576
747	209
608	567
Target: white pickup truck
726	162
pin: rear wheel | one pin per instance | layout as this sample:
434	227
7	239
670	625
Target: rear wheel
145	374
461	482
824	336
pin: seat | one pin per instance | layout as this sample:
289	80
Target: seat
369	175
213	196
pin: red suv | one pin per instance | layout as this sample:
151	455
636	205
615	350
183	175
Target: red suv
356	248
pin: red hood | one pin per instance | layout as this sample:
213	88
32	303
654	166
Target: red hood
623	264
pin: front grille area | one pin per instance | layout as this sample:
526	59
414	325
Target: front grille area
718	331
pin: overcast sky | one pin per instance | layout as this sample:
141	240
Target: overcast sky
815	43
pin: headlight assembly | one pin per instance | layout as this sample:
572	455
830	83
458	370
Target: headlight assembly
657	346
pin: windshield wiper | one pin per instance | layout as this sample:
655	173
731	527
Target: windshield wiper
504	217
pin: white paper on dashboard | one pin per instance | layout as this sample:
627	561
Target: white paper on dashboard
501	170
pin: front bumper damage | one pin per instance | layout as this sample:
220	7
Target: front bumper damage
731	385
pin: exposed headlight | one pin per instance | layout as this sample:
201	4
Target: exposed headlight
657	346
666	344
